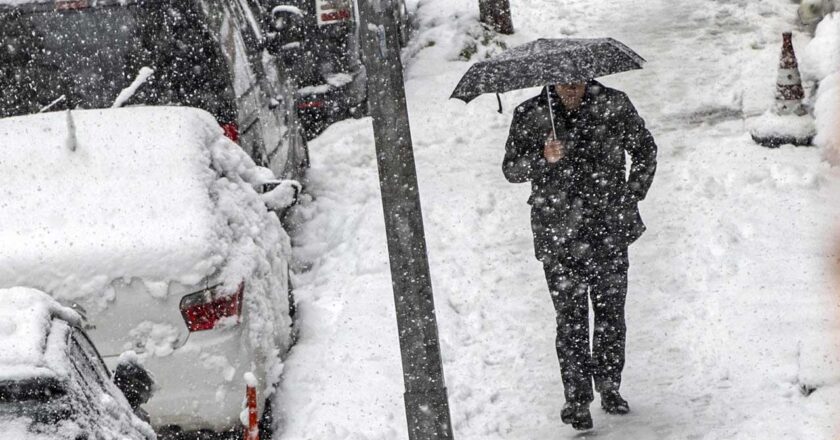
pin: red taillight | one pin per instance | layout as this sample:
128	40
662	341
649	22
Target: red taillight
231	130
70	5
340	15
310	104
203	310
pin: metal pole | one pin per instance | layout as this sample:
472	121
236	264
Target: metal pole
426	402
550	112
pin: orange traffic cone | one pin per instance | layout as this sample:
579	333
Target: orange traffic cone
787	122
789	91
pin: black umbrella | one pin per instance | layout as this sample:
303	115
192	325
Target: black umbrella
546	62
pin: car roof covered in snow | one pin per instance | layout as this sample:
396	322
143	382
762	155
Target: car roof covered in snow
126	197
40	5
28	345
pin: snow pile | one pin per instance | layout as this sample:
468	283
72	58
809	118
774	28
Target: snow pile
822	59
771	125
25	320
827	114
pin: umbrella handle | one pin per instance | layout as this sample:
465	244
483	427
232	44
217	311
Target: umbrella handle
550	113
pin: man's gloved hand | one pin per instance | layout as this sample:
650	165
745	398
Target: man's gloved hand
554	150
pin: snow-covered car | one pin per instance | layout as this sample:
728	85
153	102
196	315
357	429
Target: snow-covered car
319	41
149	222
53	384
208	54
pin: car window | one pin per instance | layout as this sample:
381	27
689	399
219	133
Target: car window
250	25
93	373
91	352
235	52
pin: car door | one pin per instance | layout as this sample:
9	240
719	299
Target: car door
245	81
97	378
284	145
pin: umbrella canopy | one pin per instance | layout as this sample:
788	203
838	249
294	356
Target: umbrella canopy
547	61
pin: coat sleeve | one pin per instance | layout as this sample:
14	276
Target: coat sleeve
641	147
523	157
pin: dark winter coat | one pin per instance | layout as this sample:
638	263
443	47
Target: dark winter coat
584	203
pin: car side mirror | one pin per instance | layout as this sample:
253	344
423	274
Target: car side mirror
135	382
286	33
281	194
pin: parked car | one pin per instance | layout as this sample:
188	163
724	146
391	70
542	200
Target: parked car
209	54
53	384
149	222
318	39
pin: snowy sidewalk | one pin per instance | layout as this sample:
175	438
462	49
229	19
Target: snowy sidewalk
730	310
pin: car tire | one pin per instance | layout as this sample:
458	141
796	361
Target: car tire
403	24
295	330
266	423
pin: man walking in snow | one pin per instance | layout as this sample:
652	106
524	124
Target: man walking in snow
570	143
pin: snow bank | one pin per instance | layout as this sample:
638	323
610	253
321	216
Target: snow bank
827	114
771	125
821	56
822	59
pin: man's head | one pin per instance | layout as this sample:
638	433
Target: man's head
571	92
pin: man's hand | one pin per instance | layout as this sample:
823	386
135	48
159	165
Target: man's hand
554	150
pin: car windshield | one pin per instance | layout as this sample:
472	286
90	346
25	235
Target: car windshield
88	56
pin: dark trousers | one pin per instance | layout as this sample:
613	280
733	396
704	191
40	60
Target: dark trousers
603	278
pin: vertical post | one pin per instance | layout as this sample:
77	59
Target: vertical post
496	14
426	402
252	431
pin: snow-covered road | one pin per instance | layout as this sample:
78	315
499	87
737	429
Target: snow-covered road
730	311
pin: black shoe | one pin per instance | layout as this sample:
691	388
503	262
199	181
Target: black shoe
612	403
577	415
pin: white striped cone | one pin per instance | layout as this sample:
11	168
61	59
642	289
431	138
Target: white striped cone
789	91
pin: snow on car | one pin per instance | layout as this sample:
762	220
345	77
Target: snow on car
53	384
147	221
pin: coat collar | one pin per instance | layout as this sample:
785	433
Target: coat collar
593	88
